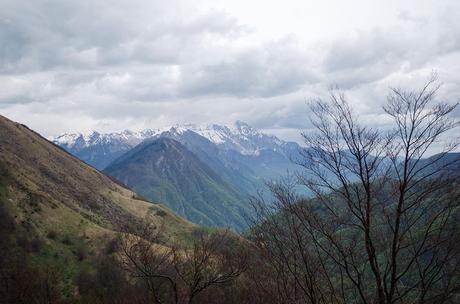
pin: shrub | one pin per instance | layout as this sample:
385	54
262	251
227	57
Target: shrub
81	251
111	246
51	235
161	213
67	240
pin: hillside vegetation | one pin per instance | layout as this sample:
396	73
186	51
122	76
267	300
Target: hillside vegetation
58	210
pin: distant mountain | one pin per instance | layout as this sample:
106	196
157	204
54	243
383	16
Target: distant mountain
98	149
241	154
162	169
443	164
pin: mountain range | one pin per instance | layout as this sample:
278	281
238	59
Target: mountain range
205	174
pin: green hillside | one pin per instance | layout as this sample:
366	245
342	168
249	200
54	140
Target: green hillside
166	171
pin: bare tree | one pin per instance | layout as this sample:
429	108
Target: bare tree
180	273
209	262
142	257
285	245
381	224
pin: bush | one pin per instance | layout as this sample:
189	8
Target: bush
7	227
161	213
67	240
51	235
29	243
81	251
111	246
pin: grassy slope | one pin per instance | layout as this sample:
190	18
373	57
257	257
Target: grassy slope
71	208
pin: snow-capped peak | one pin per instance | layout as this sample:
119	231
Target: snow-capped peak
240	137
67	139
82	140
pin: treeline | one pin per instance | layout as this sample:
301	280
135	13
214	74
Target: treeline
381	227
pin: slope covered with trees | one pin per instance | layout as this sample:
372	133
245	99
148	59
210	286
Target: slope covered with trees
166	171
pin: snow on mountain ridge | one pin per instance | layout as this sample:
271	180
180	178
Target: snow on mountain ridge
88	139
66	139
240	137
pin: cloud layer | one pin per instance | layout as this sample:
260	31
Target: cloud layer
81	65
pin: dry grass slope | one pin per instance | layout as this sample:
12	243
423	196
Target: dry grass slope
50	190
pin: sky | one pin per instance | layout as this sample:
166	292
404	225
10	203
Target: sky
77	66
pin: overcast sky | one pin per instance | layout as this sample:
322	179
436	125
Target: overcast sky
75	65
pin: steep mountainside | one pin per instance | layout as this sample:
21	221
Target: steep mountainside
165	170
50	191
241	154
226	163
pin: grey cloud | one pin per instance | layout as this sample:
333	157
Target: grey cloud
274	69
148	63
45	34
371	55
368	57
